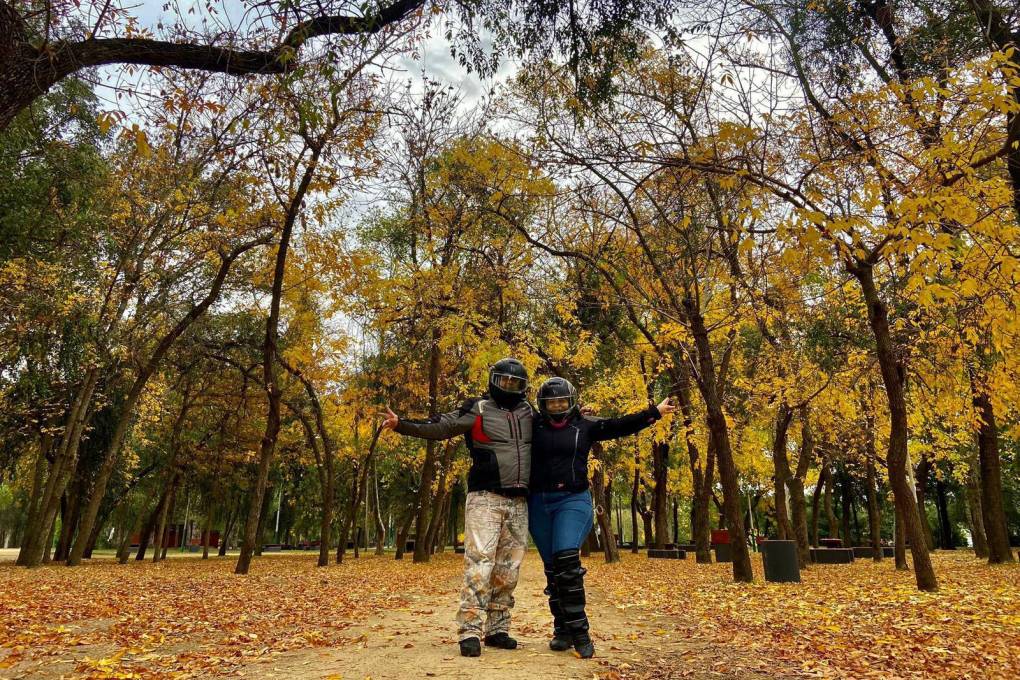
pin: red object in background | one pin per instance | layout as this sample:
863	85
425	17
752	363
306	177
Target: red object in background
720	536
214	539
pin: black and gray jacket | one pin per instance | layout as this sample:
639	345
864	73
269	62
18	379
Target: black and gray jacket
560	454
499	440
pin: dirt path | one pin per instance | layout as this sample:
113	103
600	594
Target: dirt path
419	641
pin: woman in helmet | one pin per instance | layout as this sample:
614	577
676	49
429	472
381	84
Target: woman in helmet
560	504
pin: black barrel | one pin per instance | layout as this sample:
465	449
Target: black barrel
780	558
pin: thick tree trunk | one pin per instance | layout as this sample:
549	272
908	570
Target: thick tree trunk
33	511
893	379
781	471
90	545
993	512
798	504
900	548
742	570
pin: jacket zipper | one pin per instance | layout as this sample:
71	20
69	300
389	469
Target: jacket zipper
573	459
515	433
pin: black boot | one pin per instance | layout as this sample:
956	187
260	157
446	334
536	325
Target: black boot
561	640
570	584
501	640
470	647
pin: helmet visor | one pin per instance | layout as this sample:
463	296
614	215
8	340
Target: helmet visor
509	383
556	405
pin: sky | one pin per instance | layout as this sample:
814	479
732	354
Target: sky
436	62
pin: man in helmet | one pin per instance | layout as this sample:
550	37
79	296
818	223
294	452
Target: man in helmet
497	430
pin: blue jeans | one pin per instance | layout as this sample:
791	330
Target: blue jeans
559	520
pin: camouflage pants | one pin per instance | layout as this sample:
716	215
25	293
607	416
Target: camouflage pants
495	538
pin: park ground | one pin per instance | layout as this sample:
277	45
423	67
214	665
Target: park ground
378	618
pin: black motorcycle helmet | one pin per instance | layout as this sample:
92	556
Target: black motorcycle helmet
508	382
557	399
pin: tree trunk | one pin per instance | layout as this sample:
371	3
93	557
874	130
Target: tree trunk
260	527
798	505
893	379
846	501
874	516
61	471
228	527
900	549
676	522
124	550
646	517
782	474
380	528
992	509
402	533
634	506
421	553
742	570
161	532
702	477
440	498
150	523
974	511
602	516
68	520
921	484
660	500
33	511
946	540
207	530
49	542
815	500
269	372
830	516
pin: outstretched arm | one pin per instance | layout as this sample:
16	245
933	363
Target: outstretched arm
444	426
614	428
